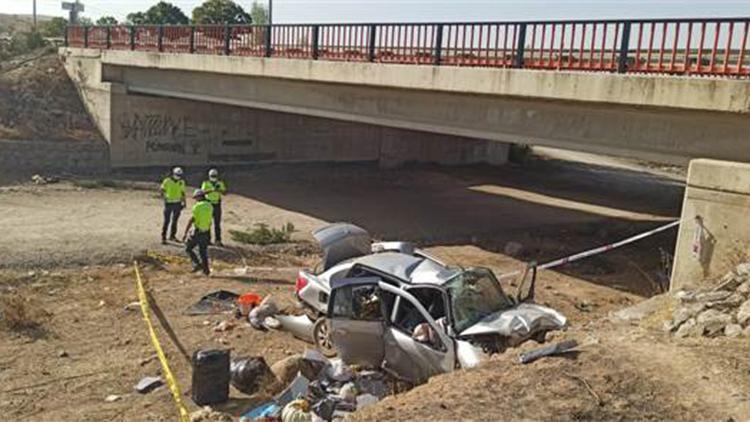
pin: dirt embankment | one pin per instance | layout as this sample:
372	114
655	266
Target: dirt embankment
39	102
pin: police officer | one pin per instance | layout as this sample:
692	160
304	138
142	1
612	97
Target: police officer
215	188
201	234
173	192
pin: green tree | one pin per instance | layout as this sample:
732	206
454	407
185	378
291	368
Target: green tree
259	14
84	21
220	11
54	28
106	21
162	13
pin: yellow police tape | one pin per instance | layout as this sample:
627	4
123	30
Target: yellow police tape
173	387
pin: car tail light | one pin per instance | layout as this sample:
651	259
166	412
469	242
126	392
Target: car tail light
301	283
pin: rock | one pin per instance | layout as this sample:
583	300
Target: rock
207	414
743	314
730	281
732	302
713	321
689	329
685	312
112	398
746	331
147	360
348	392
743	269
62	354
733	330
286	370
513	248
148	384
744	288
714	296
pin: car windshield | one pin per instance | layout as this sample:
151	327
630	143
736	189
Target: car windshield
475	293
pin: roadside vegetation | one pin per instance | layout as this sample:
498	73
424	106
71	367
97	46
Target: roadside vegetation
262	234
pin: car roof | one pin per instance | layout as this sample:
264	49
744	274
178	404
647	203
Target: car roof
408	268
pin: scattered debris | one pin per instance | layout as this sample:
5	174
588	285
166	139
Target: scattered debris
267	308
132	306
210	383
218	302
721	311
299	325
554	349
41	180
251	375
148	384
247	302
146	361
112	398
206	414
223	326
62	354
296	411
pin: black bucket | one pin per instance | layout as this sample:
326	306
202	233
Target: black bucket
210	377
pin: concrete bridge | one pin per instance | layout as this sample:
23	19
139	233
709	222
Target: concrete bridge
453	93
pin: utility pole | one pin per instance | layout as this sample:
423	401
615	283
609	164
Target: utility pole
270	12
34	15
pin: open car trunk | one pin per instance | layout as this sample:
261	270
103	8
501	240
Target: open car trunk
342	241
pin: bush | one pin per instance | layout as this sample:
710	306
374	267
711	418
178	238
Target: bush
261	234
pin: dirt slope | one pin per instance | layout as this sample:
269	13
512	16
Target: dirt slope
633	374
39	102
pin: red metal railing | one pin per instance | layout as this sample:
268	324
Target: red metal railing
716	47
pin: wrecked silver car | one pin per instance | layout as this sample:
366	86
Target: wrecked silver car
393	306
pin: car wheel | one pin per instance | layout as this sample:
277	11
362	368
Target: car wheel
322	337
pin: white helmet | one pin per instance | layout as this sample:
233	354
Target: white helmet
199	194
177	171
213	174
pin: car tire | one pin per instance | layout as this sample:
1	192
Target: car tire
322	337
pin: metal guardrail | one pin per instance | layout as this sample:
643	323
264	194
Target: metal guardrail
714	46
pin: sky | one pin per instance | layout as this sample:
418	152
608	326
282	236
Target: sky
327	11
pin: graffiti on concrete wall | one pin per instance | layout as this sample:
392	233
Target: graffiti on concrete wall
163	133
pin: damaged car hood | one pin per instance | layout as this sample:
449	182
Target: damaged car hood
521	321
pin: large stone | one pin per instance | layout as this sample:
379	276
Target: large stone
689	329
744	288
685	312
743	314
743	269
713	321
714	296
732	302
733	330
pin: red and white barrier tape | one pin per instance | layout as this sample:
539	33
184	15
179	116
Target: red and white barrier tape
601	249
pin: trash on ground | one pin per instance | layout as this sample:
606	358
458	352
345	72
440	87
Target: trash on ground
148	384
266	308
247	302
286	370
296	411
553	349
714	312
206	414
365	400
211	375
227	325
218	302
42	180
251	375
112	398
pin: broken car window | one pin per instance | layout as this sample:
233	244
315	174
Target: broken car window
475	294
358	302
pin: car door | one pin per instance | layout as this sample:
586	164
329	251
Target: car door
410	358
357	321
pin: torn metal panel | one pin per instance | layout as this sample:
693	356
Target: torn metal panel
519	322
342	241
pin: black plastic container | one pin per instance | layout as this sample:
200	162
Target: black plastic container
210	377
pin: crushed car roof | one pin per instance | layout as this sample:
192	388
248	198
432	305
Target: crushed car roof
412	269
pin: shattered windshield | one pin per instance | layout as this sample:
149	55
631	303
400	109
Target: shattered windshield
475	293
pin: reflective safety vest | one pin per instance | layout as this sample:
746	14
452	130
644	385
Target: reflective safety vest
214	190
203	213
174	190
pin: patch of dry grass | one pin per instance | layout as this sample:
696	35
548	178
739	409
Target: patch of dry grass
21	314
